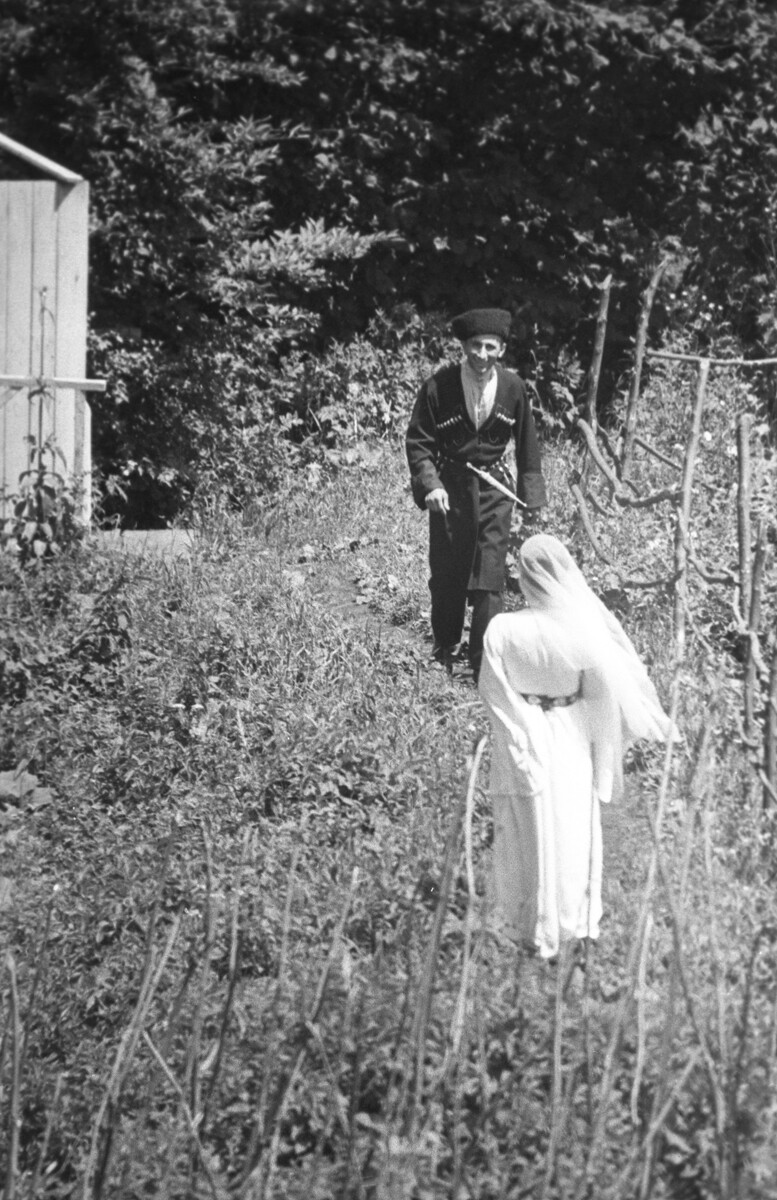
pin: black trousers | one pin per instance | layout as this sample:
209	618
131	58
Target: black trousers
449	603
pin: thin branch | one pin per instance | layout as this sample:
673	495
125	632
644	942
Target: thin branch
604	438
640	992
250	1181
618	494
596	454
557	1079
754	619
152	976
458	1023
715	362
597	505
769	774
44	1146
670	494
726	577
14	1107
622	1015
234	963
769	789
424	1001
623	581
682	529
658	1122
191	1121
670	462
588	526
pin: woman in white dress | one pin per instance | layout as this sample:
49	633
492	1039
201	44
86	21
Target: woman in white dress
566	694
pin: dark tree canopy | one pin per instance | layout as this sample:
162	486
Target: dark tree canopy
269	174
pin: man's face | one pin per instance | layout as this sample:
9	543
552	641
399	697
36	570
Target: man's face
482	352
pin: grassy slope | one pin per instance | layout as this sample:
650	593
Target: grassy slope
254	766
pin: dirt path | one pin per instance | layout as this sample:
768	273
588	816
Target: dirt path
358	604
158	543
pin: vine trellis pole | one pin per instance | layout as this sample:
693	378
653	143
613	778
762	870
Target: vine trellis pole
752	559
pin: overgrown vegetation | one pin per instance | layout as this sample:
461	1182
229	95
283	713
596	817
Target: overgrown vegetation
42	518
243	885
248	952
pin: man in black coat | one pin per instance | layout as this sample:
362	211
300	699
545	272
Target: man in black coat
472	413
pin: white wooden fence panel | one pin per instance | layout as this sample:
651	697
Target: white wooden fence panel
4	265
42	411
43	244
15	317
72	278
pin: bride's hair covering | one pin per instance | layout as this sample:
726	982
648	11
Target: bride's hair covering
621	701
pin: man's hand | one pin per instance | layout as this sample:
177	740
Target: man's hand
532	521
527	522
437	501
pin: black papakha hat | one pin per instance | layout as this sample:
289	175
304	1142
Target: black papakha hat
482	322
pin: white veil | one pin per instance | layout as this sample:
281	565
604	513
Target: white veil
621	702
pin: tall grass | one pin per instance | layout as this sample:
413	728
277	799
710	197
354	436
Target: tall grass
268	969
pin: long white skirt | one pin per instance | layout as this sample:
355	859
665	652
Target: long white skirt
547	854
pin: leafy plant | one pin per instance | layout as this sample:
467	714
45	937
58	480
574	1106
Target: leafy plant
45	513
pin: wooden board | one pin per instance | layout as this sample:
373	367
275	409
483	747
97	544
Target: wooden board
43	316
16	318
5	394
74	428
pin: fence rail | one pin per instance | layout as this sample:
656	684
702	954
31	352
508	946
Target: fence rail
746	585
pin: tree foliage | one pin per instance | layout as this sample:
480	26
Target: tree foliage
269	174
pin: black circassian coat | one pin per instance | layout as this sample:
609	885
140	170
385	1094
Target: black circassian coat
470	542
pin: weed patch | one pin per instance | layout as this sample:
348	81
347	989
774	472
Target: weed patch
248	948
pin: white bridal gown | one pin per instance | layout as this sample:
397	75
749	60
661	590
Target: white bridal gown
549	772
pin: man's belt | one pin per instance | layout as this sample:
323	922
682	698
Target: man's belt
485	472
462	463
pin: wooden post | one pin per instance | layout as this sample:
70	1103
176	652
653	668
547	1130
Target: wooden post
648	297
595	369
770	734
684	515
753	621
744	424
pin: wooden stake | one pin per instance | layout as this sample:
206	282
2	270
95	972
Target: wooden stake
714	362
770	734
684	516
648	297
754	620
595	369
744	424
426	987
14	1098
